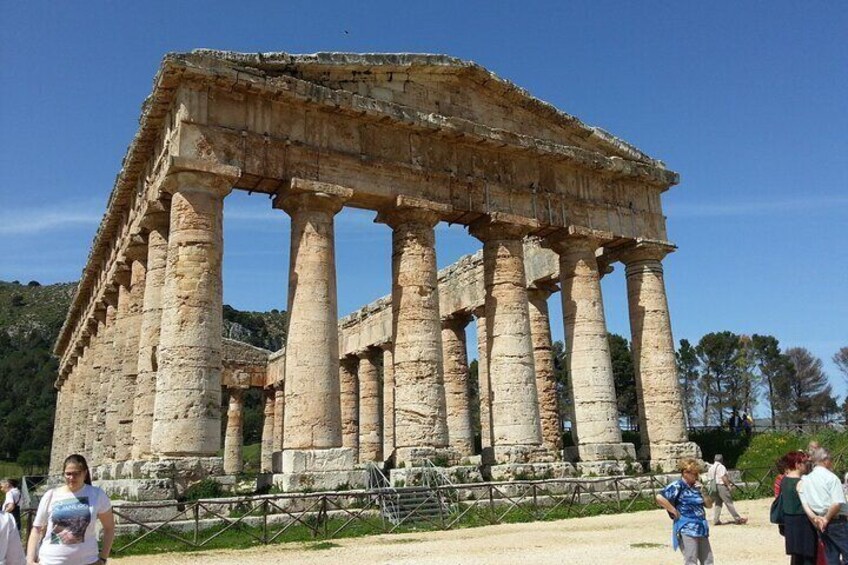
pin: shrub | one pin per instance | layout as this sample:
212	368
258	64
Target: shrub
207	488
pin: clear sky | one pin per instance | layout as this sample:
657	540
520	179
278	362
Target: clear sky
747	101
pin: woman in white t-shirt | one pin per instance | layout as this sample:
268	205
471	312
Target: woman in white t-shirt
68	516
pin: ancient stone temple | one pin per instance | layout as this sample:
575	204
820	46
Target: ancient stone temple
418	139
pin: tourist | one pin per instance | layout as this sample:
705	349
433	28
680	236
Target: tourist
721	484
684	500
824	503
67	515
11	549
12	502
801	540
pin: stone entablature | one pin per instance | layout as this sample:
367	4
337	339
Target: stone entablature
419	139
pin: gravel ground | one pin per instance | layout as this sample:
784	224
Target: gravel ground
640	538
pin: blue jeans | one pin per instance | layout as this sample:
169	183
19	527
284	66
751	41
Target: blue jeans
835	539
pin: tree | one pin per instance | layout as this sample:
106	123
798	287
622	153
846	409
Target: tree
809	396
624	377
689	377
840	359
774	368
745	380
562	381
717	352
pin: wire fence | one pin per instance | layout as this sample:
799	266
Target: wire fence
151	527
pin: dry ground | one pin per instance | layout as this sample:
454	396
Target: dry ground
642	538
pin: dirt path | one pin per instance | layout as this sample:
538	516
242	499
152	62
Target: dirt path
637	539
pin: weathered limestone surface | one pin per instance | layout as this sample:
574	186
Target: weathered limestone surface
595	424
98	360
484	386
546	386
187	408
388	402
129	369
267	447
148	339
370	409
420	413
659	399
100	409
457	390
515	409
313	411
243	365
234	438
349	401
82	381
115	396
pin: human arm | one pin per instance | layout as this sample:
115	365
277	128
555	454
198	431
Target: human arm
665	503
32	544
107	520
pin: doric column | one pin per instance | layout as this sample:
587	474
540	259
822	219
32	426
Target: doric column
103	437
349	400
82	380
148	340
267	448
313	423
279	418
129	370
370	408
457	392
595	421
516	431
420	417
116	394
234	438
99	360
546	385
388	401
187	409
487	441
57	448
661	420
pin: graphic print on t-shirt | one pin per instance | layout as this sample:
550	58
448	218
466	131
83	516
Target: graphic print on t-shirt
70	519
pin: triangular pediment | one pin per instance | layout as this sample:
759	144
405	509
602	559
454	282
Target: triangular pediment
435	84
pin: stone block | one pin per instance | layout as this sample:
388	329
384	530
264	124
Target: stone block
511	454
532	471
294	461
664	457
602	452
420	476
321	481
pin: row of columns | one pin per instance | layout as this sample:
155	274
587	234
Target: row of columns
153	365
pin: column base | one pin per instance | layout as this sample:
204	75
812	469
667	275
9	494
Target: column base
530	471
318	470
421	476
521	454
421	456
664	457
592	452
159	479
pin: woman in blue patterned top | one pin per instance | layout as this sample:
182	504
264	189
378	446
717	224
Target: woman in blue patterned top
684	500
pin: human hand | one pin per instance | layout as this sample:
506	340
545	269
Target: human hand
821	523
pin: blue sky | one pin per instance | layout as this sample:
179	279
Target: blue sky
747	102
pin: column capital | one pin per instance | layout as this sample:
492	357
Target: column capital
413	210
304	194
643	250
577	238
156	220
499	225
458	319
183	173
542	288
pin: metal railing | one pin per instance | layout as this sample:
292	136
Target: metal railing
253	520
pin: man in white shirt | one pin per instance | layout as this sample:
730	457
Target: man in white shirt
719	479
824	503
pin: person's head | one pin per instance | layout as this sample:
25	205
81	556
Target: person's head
6	485
782	465
796	461
75	470
812	446
690	470
821	457
719	458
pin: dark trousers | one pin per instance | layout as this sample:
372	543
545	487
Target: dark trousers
835	539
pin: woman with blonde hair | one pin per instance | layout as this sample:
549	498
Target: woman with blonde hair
685	502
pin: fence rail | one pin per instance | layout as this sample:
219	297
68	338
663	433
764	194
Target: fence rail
253	520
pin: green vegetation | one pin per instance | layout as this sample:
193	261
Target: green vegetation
766	448
261	329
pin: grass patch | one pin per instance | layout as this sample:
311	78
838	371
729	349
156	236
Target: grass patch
322	545
646	545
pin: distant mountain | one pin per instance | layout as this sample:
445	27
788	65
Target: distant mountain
31	316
